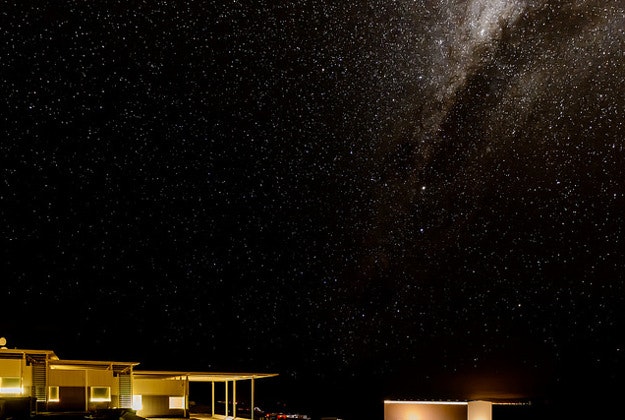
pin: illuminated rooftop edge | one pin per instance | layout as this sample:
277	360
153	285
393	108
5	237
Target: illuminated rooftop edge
455	402
427	402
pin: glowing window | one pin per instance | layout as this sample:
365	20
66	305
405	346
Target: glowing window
176	402
10	385
137	402
53	394
100	394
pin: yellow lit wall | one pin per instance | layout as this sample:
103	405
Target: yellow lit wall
11	367
159	387
81	377
27	379
17	375
424	410
100	378
155	396
60	377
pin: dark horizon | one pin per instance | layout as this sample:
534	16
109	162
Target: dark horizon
356	395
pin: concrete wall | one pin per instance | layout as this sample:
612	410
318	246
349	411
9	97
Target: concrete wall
66	378
480	410
159	387
81	377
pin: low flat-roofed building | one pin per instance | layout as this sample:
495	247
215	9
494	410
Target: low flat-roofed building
444	410
49	384
158	393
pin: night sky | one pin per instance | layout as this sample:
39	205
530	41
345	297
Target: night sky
374	199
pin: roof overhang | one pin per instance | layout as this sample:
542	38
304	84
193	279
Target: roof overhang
24	352
118	367
200	376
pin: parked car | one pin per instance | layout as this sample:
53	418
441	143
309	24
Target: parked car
286	416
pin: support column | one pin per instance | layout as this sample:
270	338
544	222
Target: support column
47	385
226	402
234	399
186	397
213	399
22	364
252	399
86	390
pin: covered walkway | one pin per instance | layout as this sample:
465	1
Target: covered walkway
223	382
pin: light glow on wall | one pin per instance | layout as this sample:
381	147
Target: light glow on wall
11	390
10	386
100	394
438	410
480	410
176	402
425	410
53	394
137	402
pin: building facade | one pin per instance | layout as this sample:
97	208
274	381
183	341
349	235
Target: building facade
48	384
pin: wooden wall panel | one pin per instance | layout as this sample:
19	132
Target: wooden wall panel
10	367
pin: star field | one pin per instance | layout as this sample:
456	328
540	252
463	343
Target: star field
380	196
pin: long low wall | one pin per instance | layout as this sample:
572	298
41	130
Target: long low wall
425	410
437	410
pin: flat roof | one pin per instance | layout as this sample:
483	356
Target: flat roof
92	364
439	402
194	376
30	352
117	366
459	402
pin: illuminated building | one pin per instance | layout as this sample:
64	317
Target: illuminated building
443	410
48	384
